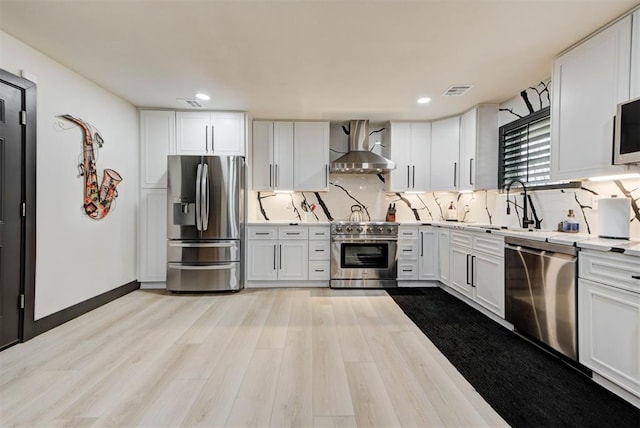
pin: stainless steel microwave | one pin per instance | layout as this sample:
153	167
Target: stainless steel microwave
626	141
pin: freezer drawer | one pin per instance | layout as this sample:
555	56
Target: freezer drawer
203	252
198	277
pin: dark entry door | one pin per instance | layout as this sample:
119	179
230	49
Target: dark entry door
11	164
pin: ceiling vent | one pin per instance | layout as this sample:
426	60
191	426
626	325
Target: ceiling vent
190	102
457	90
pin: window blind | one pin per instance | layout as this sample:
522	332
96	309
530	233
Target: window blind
525	150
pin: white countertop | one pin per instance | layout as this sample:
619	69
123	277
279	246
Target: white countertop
581	240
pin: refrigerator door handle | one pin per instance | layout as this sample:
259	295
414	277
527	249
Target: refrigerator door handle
203	244
200	267
199	197
205	196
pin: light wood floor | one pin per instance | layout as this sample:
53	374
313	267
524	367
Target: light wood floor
271	357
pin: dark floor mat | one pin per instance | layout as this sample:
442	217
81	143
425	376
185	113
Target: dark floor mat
524	384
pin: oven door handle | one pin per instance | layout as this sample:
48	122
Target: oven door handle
368	240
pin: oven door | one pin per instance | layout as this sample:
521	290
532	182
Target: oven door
363	262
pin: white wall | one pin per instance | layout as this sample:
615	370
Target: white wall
77	258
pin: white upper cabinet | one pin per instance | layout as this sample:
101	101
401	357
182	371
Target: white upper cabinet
635	56
157	140
290	155
588	83
272	162
479	148
210	133
445	142
410	150
311	156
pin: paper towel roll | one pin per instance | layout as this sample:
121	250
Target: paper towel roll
613	217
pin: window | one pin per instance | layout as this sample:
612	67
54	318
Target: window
525	150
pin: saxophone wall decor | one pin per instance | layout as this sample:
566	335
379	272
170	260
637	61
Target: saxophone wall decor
98	200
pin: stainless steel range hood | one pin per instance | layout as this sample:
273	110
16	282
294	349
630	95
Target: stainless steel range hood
359	159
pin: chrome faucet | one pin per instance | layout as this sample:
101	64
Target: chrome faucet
525	219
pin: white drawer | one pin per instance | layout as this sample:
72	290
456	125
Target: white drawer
489	244
461	239
293	232
319	250
318	232
617	270
407	232
407	270
319	270
262	232
408	250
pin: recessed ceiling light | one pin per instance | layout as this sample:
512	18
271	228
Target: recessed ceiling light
423	100
203	97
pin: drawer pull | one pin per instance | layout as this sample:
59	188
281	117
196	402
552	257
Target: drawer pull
319	251
407	250
293	233
635	276
407	270
319	270
263	233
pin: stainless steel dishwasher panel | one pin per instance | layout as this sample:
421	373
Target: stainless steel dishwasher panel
541	295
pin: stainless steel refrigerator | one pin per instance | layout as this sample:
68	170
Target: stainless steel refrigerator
205	223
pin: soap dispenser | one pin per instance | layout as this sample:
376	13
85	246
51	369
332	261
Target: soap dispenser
452	212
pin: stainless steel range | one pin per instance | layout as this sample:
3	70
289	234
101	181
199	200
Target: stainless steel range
364	255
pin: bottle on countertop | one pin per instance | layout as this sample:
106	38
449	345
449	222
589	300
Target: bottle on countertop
570	224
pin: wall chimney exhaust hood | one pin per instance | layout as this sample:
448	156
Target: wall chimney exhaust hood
359	159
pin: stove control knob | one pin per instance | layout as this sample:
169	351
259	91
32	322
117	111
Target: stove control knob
338	229
349	228
380	229
359	229
390	230
369	229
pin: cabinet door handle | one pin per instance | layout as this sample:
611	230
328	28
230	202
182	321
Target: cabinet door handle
471	171
455	174
274	256
270	175
276	177
408	175
473	270
468	282
206	139
326	176
421	244
414	177
280	256
635	276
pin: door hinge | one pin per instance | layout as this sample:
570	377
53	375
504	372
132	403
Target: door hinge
24	209
23	117
22	301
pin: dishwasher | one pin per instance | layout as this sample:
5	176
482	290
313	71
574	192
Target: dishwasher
541	292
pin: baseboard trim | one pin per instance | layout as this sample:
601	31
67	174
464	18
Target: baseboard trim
61	317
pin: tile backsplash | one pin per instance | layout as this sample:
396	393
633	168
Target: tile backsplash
484	206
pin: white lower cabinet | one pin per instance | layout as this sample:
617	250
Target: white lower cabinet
609	317
152	260
297	254
293	260
443	259
417	254
262	260
319	253
477	268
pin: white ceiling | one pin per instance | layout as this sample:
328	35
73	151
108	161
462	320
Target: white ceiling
309	59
